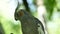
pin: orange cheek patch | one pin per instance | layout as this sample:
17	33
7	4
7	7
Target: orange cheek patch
21	13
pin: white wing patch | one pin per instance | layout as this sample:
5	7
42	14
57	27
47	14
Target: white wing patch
40	29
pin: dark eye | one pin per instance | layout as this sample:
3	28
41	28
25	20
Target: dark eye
21	13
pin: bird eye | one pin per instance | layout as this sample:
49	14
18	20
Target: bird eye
21	13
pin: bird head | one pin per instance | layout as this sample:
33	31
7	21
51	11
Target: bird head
20	14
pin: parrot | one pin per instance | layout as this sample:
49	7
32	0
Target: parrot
29	23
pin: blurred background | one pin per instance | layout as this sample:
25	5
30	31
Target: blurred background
47	11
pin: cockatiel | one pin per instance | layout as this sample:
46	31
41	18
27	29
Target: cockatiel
29	24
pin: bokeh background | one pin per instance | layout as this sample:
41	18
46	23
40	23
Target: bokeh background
48	11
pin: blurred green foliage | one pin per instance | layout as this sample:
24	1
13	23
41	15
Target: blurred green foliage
50	4
9	26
